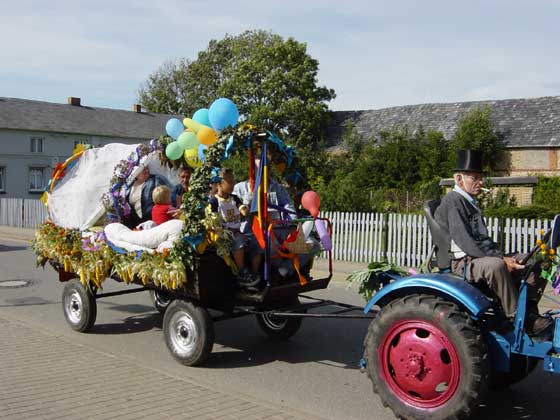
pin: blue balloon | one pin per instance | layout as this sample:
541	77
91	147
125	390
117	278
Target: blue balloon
201	116
223	113
174	128
202	152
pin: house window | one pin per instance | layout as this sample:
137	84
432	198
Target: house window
2	179
36	179
36	145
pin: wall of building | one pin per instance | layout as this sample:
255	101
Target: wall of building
537	161
16	157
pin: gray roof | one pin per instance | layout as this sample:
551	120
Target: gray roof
531	122
24	114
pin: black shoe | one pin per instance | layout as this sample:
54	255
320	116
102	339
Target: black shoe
539	327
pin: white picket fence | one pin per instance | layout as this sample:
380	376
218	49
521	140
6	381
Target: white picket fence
22	213
404	239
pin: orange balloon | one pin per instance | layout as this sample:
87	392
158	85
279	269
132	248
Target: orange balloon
207	136
311	202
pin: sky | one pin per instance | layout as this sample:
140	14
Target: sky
374	54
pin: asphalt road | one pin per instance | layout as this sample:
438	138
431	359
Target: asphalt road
315	372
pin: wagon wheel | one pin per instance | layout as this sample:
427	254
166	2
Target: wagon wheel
160	300
79	306
280	327
188	332
426	359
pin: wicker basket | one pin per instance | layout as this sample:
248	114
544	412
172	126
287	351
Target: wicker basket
298	245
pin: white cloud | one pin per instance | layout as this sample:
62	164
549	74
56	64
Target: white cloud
373	53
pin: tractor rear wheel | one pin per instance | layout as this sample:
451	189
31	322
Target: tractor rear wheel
426	359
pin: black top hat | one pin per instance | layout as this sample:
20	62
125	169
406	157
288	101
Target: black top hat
469	161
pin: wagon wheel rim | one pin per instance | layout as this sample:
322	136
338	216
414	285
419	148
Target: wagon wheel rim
184	334
274	322
161	299
74	307
419	363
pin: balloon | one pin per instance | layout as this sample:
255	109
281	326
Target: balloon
192	124
323	234
187	140
173	151
174	128
207	136
202	152
310	201
201	116
191	156
223	113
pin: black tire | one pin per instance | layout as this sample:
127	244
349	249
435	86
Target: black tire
160	300
79	306
426	359
278	327
520	367
188	332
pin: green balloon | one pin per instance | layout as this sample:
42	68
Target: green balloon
187	140
173	151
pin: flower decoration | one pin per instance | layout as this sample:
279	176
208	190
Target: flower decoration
550	264
115	201
92	259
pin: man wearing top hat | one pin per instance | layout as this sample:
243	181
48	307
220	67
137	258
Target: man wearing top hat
460	214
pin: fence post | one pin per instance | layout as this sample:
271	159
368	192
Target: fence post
501	233
384	236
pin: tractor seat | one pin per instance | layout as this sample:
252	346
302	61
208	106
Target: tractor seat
440	238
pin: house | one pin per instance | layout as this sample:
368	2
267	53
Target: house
530	127
36	135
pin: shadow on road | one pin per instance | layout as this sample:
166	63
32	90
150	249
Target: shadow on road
337	343
8	248
130	325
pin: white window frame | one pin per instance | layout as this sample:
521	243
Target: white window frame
42	172
37	144
2	179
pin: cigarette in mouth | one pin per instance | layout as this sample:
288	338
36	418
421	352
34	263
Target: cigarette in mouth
484	189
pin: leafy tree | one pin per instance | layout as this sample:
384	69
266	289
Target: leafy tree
547	193
476	131
273	82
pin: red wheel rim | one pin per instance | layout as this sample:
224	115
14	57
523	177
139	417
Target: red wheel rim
419	363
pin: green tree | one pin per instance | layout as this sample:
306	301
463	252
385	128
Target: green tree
547	193
272	80
476	131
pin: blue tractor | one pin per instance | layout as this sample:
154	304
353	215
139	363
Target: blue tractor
438	343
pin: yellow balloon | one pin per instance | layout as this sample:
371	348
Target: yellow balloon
191	156
192	124
207	136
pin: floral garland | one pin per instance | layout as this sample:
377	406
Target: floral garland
93	260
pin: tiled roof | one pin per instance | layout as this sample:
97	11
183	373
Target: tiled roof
24	114
523	122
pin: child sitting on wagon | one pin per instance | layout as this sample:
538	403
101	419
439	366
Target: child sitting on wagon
231	210
162	210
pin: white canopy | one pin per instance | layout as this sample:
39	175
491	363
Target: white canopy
75	201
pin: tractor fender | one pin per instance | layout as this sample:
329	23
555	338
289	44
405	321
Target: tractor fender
447	286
